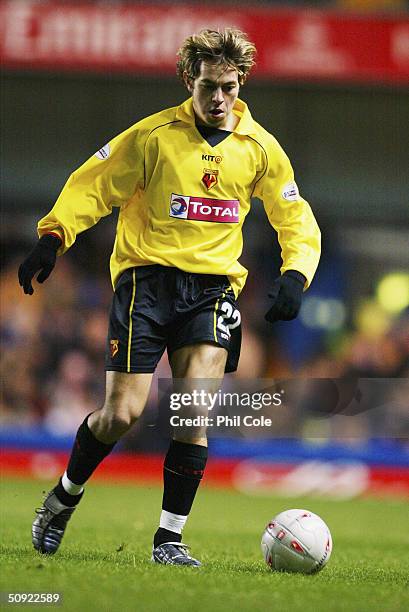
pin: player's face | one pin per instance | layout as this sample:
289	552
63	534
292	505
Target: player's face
214	92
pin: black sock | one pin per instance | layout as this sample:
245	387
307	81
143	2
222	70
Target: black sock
87	453
164	535
182	472
66	498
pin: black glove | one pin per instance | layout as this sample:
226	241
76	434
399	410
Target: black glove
43	258
287	295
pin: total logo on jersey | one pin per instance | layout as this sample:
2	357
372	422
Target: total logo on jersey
195	208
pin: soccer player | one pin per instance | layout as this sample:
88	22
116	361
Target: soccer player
183	180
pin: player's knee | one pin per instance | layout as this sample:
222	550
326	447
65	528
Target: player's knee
122	421
114	425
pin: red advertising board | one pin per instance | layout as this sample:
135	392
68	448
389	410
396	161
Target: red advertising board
326	479
292	44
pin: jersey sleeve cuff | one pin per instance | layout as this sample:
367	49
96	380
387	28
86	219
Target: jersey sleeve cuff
57	234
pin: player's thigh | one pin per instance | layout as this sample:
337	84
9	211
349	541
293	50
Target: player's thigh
197	368
126	394
199	361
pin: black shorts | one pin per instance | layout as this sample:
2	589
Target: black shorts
156	308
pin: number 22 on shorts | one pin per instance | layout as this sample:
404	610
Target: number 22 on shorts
229	319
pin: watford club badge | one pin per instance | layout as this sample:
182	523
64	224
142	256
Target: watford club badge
114	347
209	178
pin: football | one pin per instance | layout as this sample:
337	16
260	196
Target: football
296	541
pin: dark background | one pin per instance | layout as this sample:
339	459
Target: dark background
349	145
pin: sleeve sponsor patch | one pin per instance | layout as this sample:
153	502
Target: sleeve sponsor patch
103	153
290	192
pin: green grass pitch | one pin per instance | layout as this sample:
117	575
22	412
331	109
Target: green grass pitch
104	565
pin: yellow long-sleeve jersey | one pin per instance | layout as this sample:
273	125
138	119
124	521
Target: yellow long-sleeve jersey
183	202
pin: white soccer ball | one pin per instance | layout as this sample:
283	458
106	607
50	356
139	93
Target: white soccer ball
296	541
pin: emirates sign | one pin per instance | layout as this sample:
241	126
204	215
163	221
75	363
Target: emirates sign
292	44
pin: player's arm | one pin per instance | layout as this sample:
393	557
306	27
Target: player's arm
298	234
109	178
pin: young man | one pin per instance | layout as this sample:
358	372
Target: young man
183	179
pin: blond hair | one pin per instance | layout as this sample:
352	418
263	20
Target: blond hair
229	46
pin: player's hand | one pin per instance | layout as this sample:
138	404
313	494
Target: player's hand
42	258
286	294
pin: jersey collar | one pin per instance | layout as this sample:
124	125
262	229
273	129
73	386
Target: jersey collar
246	125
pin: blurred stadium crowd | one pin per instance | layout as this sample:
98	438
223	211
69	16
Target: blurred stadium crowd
53	343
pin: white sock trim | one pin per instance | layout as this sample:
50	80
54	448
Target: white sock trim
172	522
70	487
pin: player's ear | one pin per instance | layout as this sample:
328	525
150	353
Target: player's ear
188	81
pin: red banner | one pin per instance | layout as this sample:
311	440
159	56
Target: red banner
292	44
320	478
